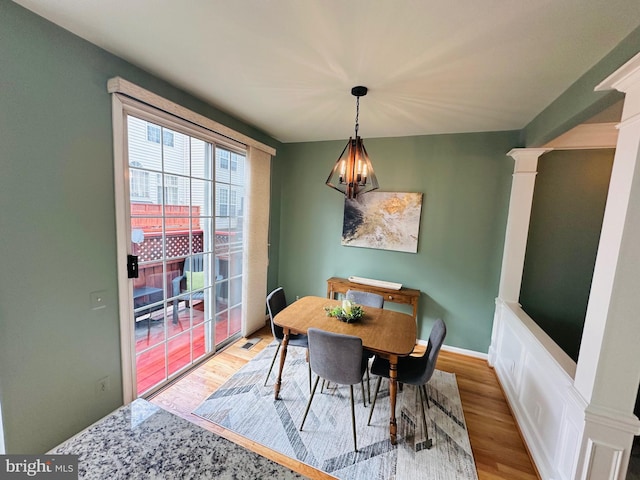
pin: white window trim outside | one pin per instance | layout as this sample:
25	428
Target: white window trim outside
130	99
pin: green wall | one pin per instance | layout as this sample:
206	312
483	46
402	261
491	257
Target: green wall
558	303
57	227
580	102
57	223
465	179
566	219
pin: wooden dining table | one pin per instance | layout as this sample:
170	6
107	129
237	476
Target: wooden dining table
386	333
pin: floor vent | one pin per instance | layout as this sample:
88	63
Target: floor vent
250	343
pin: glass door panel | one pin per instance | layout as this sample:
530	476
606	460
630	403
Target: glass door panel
171	198
229	201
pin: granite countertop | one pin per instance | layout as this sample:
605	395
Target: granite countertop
143	441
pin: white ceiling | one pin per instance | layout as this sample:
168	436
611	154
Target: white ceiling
287	66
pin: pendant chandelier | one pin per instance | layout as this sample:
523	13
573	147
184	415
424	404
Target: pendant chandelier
353	173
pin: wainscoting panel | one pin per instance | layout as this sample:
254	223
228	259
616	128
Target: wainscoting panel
537	378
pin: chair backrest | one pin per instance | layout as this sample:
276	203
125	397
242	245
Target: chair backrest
336	357
194	263
365	299
276	302
436	339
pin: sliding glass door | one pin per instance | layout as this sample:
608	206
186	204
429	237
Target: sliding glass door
186	196
229	241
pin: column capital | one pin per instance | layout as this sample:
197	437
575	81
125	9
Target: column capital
527	159
623	79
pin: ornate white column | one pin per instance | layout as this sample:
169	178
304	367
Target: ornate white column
608	369
515	242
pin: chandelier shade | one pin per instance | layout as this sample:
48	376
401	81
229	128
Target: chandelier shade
353	173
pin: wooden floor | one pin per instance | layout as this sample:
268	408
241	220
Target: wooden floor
497	446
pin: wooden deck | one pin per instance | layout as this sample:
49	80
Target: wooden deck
496	442
183	345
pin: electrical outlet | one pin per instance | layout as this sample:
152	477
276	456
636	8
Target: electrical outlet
103	385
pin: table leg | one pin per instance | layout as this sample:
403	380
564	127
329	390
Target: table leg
283	356
393	389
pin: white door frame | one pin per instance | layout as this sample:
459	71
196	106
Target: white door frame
121	108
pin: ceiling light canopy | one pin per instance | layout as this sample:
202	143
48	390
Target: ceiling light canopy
353	173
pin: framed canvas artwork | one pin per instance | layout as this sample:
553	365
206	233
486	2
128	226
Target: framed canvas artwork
383	220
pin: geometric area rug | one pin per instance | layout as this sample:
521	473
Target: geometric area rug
244	405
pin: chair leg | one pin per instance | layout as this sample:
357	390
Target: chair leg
176	306
275	355
375	397
424	389
180	323
364	399
428	442
309	365
309	403
353	419
368	386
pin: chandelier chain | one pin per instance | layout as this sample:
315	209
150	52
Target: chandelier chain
357	114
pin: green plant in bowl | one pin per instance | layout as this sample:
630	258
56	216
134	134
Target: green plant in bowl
348	312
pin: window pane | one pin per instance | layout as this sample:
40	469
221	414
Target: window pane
144	152
235	263
201	193
222	202
237	176
167	138
179	349
177	152
153	133
201	159
222	158
202	229
235	291
174	192
140	188
177	236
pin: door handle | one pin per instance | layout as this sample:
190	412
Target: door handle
132	266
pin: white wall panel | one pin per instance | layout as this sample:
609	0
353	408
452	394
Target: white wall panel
539	390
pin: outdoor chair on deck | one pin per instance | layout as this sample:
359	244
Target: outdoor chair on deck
192	278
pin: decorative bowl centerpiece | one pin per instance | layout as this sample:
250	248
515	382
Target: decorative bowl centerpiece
348	312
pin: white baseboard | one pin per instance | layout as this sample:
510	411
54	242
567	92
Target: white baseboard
461	351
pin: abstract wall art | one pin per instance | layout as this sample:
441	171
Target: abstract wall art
383	220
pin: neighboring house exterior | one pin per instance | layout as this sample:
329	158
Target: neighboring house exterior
150	179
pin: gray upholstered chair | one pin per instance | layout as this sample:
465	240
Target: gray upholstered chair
414	370
276	302
366	299
339	359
